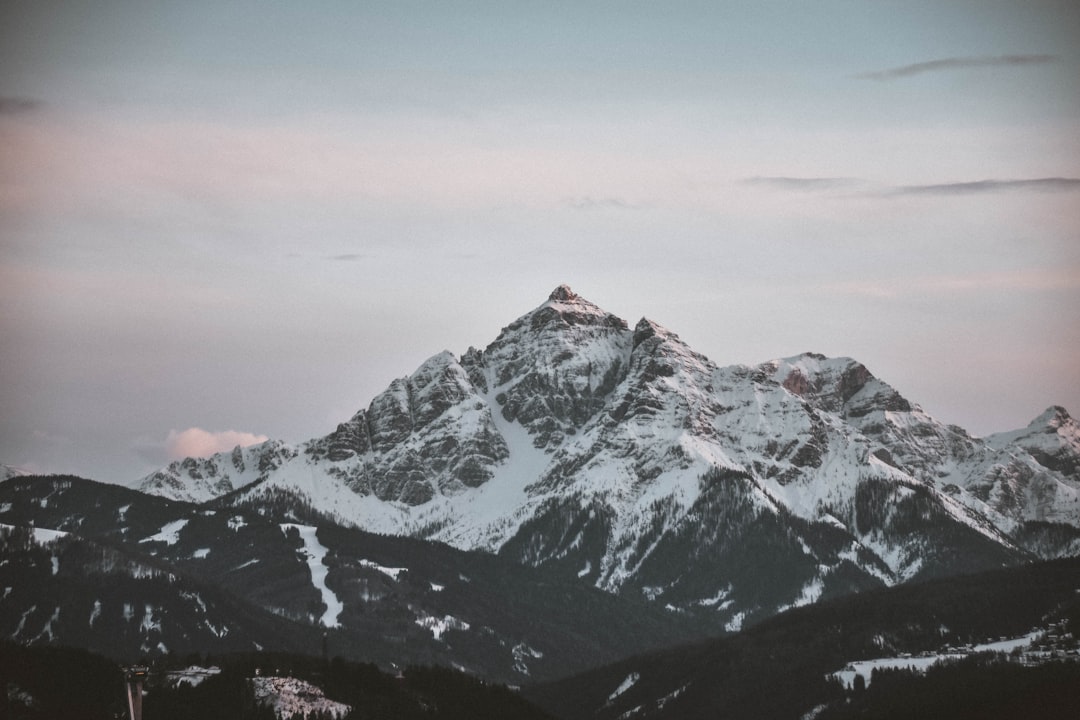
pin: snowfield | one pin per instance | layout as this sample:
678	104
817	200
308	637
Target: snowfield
922	662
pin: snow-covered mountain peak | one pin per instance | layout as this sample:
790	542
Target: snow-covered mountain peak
1058	420
566	324
563	294
630	460
564	308
1052	438
551	369
1055	421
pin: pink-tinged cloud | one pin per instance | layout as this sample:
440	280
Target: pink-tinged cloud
196	442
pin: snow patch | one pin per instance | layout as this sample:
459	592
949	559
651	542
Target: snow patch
22	621
922	662
218	632
196	597
289	696
42	536
47	630
192	676
390	571
716	600
522	653
671	696
149	622
628	682
438	626
315	553
169	533
810	593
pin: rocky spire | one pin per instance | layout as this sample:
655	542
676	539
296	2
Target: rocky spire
563	294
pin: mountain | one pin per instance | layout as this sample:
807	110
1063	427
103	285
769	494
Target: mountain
1052	439
622	458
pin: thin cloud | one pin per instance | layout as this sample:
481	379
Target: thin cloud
970	187
1024	280
956	63
802	184
591	203
10	105
348	257
1049	184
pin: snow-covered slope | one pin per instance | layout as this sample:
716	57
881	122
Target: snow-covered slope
627	459
289	697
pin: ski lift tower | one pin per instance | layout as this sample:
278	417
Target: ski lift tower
134	677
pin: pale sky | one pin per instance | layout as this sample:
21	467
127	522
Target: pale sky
227	221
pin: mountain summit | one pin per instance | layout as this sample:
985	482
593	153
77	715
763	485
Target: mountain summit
624	458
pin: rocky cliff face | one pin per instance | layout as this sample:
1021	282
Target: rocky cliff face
554	368
632	462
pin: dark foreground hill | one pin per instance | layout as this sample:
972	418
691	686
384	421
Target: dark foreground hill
131	575
783	667
59	683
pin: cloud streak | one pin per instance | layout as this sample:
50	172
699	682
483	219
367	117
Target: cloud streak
803	184
979	187
587	202
10	105
1032	280
956	63
968	187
